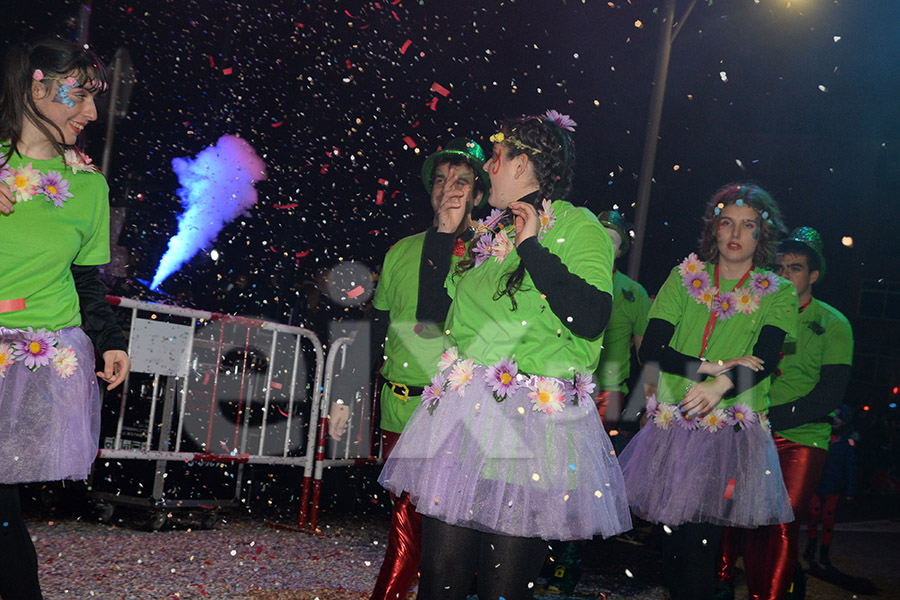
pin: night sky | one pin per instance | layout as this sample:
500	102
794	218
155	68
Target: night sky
800	96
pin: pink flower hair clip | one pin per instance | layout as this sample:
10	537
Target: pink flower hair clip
561	120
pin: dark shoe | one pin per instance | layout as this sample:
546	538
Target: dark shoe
810	554
567	572
824	557
724	590
797	589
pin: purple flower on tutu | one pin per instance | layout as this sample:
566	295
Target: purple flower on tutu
665	415
764	283
6	358
36	350
55	188
546	395
725	305
450	356
741	416
461	375
714	421
651	405
431	394
583	387
482	250
696	283
65	362
501	378
682	420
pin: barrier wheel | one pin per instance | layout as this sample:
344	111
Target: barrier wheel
105	512
157	520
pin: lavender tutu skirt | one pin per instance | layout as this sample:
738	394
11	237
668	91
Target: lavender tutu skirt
503	467
726	477
49	405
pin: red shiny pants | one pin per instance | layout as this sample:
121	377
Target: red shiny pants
770	552
404	547
609	406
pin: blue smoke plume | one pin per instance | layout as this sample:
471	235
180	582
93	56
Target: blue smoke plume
216	187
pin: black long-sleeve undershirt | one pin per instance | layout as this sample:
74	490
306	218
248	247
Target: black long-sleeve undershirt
655	348
568	295
97	317
821	400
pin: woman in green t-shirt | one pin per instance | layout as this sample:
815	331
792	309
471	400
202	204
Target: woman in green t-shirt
706	458
54	224
506	450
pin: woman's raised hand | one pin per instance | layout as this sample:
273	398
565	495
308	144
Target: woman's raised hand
527	222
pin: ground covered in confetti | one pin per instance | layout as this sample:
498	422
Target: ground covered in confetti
247	557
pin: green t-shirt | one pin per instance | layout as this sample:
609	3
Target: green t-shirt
412	350
39	243
631	305
825	338
731	337
488	330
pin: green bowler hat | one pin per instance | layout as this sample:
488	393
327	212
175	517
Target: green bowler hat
811	239
613	219
466	149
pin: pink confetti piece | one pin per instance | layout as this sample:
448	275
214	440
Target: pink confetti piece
276	385
409	141
433	104
285	206
382	181
436	87
730	489
379	197
405	46
347	12
226	71
302	254
356	292
278	124
206	379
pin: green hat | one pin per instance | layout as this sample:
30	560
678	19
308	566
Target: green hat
810	239
466	149
613	220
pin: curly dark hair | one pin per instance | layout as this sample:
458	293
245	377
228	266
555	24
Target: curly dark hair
551	151
55	57
771	227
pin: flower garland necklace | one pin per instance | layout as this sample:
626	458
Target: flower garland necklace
724	305
26	182
498	244
548	394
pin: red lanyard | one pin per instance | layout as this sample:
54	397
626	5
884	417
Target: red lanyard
711	322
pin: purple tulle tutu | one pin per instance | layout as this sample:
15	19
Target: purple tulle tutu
504	467
49	405
726	477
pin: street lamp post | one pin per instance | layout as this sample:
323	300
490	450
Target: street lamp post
667	33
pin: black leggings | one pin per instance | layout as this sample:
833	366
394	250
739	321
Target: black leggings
690	554
507	566
19	570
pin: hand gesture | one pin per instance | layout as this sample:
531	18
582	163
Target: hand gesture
704	397
527	222
6	200
116	365
451	204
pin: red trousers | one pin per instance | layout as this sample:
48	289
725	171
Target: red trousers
609	405
822	508
770	552
404	547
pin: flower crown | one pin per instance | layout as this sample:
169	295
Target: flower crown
501	137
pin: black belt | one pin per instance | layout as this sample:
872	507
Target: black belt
403	392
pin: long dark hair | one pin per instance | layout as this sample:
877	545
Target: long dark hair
56	58
771	227
551	151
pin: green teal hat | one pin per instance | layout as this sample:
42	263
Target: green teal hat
613	219
810	239
466	149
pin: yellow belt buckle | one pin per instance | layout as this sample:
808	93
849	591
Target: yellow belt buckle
405	390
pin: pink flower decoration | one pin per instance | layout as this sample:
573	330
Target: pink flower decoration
55	188
583	385
38	75
548	220
764	283
502	246
70	81
65	362
546	395
36	350
23	182
690	265
501	377
746	301
707	296
482	250
725	305
462	374
6	358
714	421
683	421
696	283
664	416
564	121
